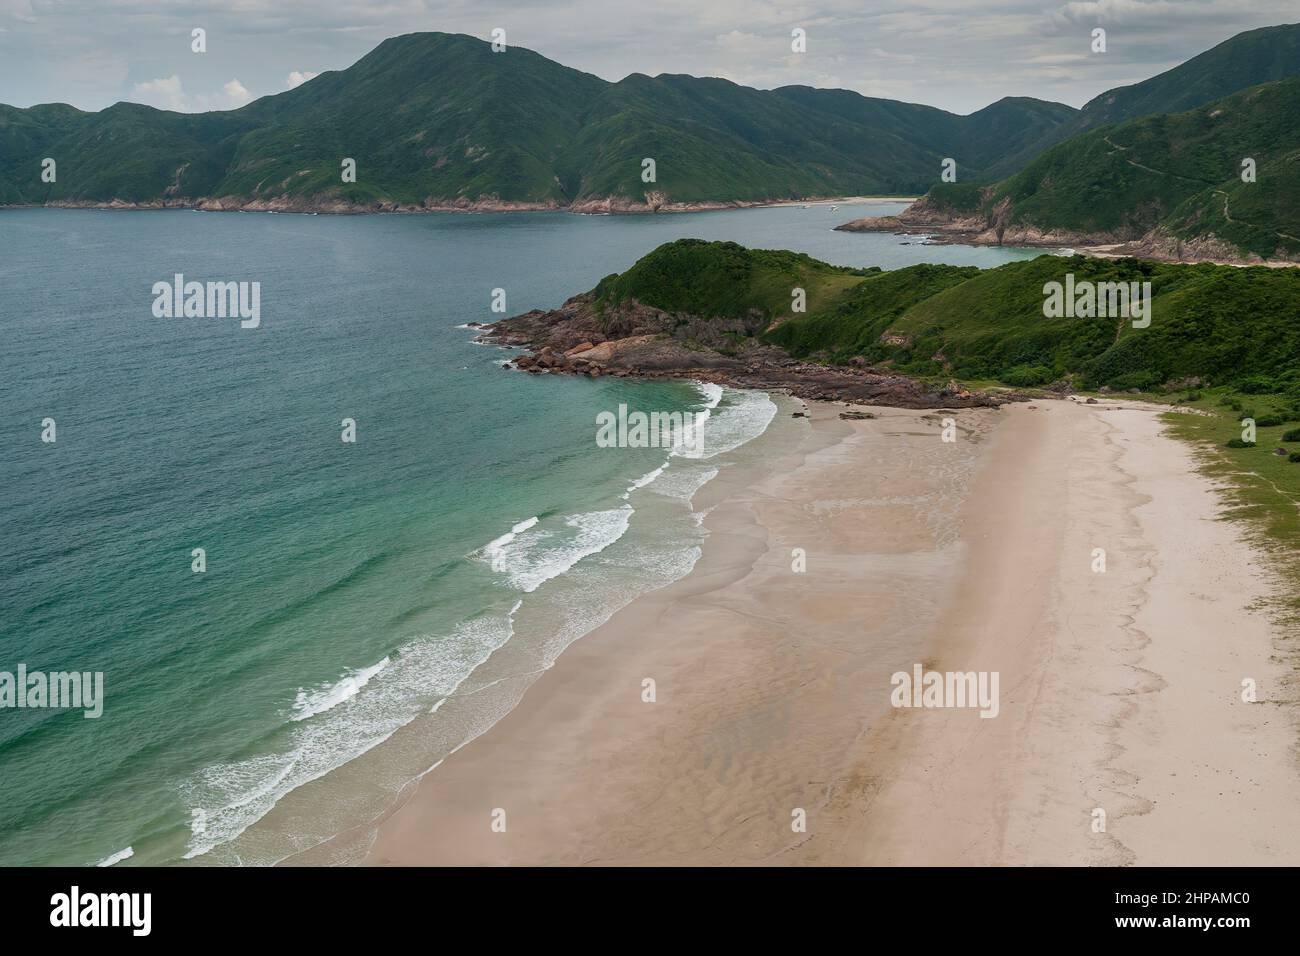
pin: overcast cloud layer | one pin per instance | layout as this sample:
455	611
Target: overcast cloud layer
957	54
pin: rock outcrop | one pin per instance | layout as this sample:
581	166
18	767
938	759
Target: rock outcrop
945	226
636	340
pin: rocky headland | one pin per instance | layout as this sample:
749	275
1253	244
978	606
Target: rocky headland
941	224
635	340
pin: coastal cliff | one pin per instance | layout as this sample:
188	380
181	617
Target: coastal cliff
636	340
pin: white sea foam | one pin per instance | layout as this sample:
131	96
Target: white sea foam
495	550
651	566
743	418
226	798
647	478
712	393
326	697
532	555
114	858
684	481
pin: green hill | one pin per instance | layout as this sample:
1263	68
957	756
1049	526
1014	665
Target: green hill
435	118
1222	324
1171	182
726	280
1247	59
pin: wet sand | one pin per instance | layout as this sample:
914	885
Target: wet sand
1120	702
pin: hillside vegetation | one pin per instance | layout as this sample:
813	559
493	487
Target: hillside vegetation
1221	325
434	118
1181	171
1218	182
1161	166
1245	60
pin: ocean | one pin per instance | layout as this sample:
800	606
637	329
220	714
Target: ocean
364	607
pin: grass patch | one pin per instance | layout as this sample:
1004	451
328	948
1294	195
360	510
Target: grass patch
1259	488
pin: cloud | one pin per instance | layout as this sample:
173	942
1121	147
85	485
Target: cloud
168	93
896	57
747	44
165	93
236	93
1119	11
956	54
18	9
1056	59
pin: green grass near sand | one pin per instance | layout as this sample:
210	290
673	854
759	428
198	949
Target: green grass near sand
1260	489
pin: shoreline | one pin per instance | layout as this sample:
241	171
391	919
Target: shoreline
956	232
594	207
1118	691
645	342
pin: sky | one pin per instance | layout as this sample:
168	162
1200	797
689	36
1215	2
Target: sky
960	55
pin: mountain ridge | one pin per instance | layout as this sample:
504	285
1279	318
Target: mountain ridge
1170	186
438	121
1244	60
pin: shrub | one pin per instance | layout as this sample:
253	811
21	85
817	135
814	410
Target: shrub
1294	456
1256	385
1142	381
1292	435
1268	421
1238	443
920	367
1027	376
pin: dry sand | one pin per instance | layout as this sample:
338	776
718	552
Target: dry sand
1120	691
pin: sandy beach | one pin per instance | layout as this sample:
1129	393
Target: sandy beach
1121	735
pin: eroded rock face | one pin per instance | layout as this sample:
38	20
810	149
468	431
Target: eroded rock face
1161	244
633	339
941	225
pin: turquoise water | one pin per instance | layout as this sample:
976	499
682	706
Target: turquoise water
350	588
